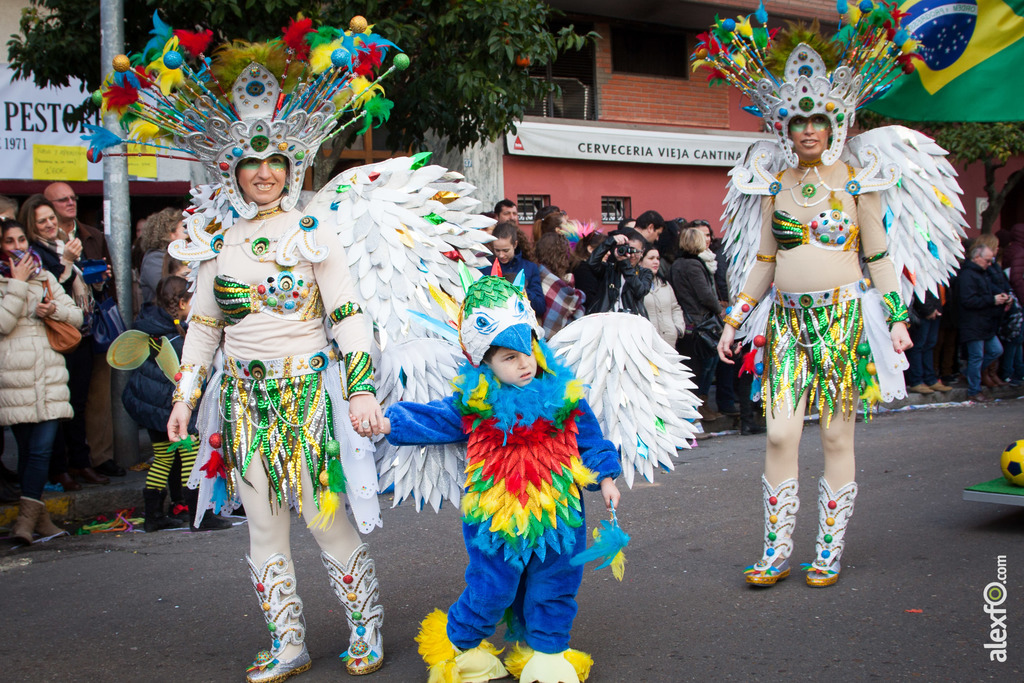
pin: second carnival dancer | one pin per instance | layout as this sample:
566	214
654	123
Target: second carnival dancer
829	337
274	421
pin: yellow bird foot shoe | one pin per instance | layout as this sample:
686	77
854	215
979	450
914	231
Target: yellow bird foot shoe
447	663
530	666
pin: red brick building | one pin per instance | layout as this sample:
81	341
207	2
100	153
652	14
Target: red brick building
605	146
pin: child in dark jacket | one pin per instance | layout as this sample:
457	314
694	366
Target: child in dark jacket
147	399
532	444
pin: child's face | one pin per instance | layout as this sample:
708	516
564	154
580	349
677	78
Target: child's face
513	367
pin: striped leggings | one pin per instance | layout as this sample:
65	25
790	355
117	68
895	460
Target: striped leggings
164	460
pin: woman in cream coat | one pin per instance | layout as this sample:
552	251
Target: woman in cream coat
33	380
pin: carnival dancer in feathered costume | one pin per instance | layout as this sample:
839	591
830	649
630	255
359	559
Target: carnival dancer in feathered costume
805	213
533	446
272	423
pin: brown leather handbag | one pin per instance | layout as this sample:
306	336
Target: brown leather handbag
63	337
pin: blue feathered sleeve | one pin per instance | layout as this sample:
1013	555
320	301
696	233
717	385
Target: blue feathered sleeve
424	423
596	452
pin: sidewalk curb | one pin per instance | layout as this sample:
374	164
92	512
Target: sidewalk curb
120	493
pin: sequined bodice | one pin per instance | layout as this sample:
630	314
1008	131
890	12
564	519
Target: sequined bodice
832	229
286	295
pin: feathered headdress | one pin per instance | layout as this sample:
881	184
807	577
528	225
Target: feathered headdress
797	72
250	100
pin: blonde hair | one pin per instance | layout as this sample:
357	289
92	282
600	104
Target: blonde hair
692	241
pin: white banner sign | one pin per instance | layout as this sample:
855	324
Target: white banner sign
37	145
564	141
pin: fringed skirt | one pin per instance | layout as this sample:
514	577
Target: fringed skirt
835	346
283	415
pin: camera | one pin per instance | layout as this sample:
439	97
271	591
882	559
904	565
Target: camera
624	250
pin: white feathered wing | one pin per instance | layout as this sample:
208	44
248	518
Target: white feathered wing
638	388
923	214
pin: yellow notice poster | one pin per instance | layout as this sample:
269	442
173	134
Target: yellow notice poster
141	166
59	163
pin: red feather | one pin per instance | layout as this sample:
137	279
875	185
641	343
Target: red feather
120	97
195	43
214	467
363	65
294	36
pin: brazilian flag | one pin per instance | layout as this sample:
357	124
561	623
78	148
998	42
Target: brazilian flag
973	69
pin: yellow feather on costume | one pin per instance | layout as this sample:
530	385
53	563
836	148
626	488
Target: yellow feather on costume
518	658
362	91
477	396
320	57
329	504
619	565
435	647
143	130
872	394
580	661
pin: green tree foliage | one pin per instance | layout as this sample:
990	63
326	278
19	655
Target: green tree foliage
468	81
990	144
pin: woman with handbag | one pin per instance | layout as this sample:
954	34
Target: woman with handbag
33	379
694	286
70	461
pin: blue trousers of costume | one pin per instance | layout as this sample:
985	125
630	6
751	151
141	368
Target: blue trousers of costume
542	595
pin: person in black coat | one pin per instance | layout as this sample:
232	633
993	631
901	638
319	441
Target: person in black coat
148	399
695	290
981	309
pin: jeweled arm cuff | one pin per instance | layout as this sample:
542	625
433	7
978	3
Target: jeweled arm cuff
738	312
767	258
358	373
876	257
189	384
897	309
207	321
344	311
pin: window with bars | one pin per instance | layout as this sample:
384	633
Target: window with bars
614	209
573	73
530	204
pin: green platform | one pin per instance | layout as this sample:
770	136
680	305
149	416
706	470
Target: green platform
996	491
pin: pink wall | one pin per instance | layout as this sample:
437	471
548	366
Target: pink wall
577	186
972	180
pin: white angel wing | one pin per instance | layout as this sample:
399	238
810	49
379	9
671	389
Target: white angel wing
741	221
639	388
401	222
923	217
420	370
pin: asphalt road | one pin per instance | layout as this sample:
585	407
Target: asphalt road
175	606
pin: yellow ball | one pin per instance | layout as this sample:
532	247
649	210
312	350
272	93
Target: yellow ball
358	24
324	479
122	63
1013	463
773	519
872	370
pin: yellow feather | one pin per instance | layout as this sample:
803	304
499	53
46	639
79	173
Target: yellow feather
435	648
619	566
518	658
329	503
580	661
320	57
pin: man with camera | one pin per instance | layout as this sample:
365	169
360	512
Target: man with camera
620	284
981	310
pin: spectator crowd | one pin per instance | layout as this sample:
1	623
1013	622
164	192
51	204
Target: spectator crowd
55	275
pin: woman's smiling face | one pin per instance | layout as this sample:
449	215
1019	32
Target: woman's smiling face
262	180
